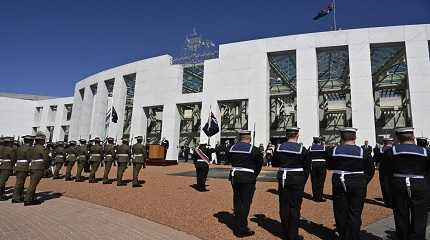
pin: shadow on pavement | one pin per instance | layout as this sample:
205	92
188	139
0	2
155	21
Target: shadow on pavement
46	196
228	219
272	226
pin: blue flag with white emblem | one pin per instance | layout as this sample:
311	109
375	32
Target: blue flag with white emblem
325	11
211	127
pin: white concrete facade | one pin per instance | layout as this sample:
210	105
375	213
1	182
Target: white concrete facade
242	72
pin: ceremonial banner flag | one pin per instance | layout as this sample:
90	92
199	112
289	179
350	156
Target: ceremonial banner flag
114	115
211	127
325	11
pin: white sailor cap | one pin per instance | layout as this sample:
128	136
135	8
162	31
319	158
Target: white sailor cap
348	129
404	130
244	132
422	138
388	139
292	130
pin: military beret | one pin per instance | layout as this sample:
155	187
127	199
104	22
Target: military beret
139	137
292	130
348	129
82	140
404	130
97	139
72	142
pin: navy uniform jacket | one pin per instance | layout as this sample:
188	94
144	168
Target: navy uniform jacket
407	159
351	158
292	155
244	155
379	152
318	151
207	151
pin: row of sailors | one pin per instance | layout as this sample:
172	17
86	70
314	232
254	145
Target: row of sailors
32	158
404	166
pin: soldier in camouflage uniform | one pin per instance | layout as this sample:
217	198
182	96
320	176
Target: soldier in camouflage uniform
7	161
49	171
23	156
109	156
139	157
96	156
71	156
82	159
123	157
59	157
39	162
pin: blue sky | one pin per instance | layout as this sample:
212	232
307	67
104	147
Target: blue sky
46	46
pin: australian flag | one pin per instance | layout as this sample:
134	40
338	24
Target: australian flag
211	127
325	11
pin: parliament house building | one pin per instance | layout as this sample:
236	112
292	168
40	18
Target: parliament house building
373	79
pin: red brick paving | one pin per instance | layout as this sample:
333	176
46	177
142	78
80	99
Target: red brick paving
171	201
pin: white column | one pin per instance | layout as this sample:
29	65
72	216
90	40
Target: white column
99	111
258	103
307	89
76	109
417	54
85	115
170	129
137	127
119	95
362	102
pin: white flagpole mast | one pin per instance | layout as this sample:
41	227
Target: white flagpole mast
334	15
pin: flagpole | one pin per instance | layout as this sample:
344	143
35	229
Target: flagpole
210	110
334	15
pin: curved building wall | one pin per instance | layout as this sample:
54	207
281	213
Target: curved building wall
242	73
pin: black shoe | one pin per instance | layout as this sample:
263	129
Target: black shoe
137	185
245	233
79	180
121	183
92	181
34	202
106	182
16	201
4	198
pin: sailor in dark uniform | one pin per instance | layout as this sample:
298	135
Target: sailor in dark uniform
246	161
408	165
352	170
384	179
422	142
318	156
202	158
294	164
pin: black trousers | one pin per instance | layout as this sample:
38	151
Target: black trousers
318	174
385	182
410	214
19	185
201	174
242	199
290	203
348	205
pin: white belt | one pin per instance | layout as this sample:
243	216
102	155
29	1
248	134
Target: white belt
59	156
5	160
36	160
138	155
95	155
284	174
22	161
240	169
318	160
201	160
342	176
408	180
108	155
82	155
71	154
122	155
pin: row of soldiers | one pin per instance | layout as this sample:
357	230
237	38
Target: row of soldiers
94	155
404	166
33	158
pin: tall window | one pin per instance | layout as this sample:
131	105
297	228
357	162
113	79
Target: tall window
154	123
52	113
65	133
234	117
334	91
189	132
38	114
390	87
130	82
68	111
283	93
193	79
50	130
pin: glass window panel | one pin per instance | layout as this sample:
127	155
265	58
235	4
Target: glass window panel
193	79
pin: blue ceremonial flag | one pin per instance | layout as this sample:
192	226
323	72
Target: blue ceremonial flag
211	127
325	11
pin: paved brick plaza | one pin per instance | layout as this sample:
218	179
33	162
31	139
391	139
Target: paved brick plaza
170	200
